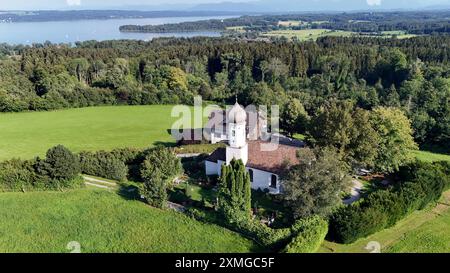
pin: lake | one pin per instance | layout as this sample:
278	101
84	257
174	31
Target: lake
83	30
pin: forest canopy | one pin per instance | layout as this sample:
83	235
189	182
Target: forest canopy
427	22
410	74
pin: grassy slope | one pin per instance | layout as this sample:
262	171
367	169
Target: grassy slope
422	232
431	237
430	157
26	135
102	221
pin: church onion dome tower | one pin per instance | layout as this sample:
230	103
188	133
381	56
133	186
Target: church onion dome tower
237	114
237	134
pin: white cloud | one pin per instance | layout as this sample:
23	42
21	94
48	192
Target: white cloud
374	2
73	2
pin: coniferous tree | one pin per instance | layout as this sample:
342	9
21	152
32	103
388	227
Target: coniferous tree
155	190
234	191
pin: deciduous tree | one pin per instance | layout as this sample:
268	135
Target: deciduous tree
313	187
396	141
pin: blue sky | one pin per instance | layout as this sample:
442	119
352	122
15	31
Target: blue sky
64	4
86	4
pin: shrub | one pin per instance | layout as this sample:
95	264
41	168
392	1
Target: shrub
59	164
444	166
382	209
262	234
155	190
157	170
310	233
350	223
60	169
273	239
163	160
103	164
128	156
18	175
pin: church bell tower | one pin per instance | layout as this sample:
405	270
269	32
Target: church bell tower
237	147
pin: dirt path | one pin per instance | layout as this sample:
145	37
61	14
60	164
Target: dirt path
94	182
356	192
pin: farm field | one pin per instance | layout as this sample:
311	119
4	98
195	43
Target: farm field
398	33
240	29
422	232
308	34
290	23
27	135
102	221
314	34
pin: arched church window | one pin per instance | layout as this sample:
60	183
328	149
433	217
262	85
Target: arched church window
273	181
250	171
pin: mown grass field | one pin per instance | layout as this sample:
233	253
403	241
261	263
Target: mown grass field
398	33
102	221
27	135
314	34
290	23
308	34
424	231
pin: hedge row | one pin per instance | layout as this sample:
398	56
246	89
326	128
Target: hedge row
119	164
305	236
59	170
423	184
310	232
103	164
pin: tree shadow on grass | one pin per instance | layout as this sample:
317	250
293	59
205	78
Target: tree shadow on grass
435	149
164	144
129	192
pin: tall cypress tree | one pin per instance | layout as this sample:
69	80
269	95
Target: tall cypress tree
234	191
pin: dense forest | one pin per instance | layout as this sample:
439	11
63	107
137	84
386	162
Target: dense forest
411	74
365	22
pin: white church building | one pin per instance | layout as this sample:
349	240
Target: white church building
264	161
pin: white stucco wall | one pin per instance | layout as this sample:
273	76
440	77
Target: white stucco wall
211	168
261	179
237	153
237	139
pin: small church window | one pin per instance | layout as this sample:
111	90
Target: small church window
250	171
233	133
273	181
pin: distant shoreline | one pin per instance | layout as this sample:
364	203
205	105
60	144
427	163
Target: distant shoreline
7	17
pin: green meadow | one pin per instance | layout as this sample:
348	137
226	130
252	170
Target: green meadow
308	34
314	34
26	135
430	156
102	221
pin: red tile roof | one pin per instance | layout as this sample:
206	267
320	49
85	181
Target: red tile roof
264	156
